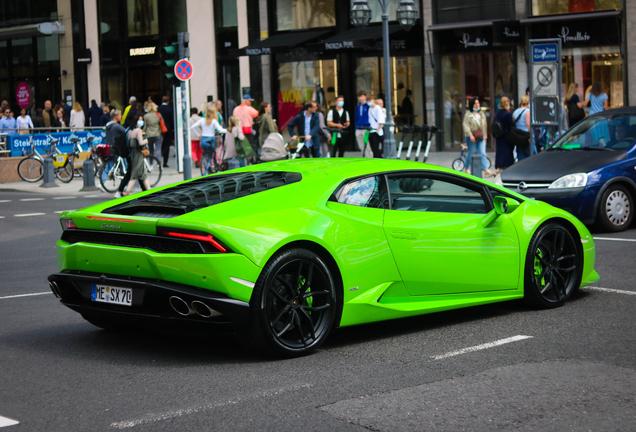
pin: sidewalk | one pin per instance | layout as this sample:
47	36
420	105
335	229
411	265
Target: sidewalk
169	176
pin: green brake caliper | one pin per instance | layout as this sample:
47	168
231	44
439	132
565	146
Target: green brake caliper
308	300
538	268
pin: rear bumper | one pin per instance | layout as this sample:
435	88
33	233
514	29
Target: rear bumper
150	300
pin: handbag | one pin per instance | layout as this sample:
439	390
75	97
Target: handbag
144	150
518	137
576	114
243	148
247	130
162	124
478	134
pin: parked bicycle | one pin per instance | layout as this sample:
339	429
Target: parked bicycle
81	155
31	168
112	172
460	163
212	159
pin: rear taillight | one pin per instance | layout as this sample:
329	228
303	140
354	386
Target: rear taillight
67	223
201	237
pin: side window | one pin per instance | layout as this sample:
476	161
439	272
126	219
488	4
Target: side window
365	192
433	194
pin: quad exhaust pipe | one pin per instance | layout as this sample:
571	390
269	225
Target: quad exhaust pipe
56	289
182	307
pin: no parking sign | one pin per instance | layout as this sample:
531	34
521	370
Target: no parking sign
183	70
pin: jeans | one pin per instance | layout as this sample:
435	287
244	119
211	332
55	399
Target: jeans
207	144
481	148
155	142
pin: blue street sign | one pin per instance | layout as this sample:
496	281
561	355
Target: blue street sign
544	53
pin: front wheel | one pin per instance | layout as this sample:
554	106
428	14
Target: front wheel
553	268
488	163
31	169
615	211
107	175
294	305
65	173
458	164
209	164
154	170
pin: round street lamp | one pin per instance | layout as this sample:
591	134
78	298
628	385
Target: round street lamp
407	14
360	13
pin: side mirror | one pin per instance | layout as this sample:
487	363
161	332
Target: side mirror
502	206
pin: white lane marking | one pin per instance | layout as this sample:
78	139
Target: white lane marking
5	421
243	282
1	217
25	295
93	196
1	201
610	290
482	347
59	198
32	199
29	214
152	418
614	239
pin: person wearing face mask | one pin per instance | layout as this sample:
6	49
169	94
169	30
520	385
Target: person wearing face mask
361	118
475	129
339	118
138	151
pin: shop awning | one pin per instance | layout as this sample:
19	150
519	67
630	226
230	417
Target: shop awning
280	43
459	25
26	31
354	38
571	16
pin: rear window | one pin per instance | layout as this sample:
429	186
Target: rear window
204	192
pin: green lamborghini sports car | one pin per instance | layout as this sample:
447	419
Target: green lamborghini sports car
287	251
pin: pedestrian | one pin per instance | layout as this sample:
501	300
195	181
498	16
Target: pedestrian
209	126
138	151
67	108
339	118
24	122
134	107
48	115
95	114
308	125
61	121
407	106
127	109
152	128
377	119
195	137
504	156
361	119
114	130
265	123
574	105
475	129
325	136
219	110
234	132
8	123
168	118
247	114
38	120
78	120
521	119
597	98
380	103
105	116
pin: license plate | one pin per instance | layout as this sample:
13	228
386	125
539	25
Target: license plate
113	295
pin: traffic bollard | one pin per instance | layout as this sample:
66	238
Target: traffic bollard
475	164
89	177
49	175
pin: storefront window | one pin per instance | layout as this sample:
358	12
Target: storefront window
504	78
22	55
4	56
142	17
174	14
225	14
304	14
452	100
376	11
48	55
303	81
546	7
108	20
112	88
584	66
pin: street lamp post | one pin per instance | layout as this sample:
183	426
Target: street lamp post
407	15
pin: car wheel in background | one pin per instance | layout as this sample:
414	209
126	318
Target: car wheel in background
616	209
294	304
553	267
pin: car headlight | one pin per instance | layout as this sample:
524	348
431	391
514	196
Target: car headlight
569	181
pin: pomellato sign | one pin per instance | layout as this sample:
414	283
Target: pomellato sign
577	37
479	42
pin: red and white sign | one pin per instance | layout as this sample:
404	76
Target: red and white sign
23	95
183	70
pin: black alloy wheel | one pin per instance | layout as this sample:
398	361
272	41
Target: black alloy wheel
553	267
616	209
294	305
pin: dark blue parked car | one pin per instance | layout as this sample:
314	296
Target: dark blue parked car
590	171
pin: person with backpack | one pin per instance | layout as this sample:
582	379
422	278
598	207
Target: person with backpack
500	127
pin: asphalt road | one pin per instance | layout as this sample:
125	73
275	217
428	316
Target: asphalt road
496	367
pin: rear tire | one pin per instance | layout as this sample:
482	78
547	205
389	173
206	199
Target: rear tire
458	164
66	173
107	177
616	209
31	170
154	175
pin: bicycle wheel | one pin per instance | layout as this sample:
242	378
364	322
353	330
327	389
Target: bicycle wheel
154	170
489	163
208	164
107	177
458	164
66	172
31	170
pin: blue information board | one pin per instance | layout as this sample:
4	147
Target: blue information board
544	53
21	144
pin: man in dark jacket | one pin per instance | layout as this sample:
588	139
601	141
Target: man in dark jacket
308	126
95	114
168	117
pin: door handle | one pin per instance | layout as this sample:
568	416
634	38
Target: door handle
401	235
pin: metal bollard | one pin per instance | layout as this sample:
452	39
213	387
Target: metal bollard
89	177
475	164
49	175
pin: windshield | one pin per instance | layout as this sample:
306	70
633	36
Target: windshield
609	132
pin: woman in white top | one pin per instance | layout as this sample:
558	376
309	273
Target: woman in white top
234	132
209	125
77	117
23	122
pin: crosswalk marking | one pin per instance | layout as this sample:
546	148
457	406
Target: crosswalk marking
29	214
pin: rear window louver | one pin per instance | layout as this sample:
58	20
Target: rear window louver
203	192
